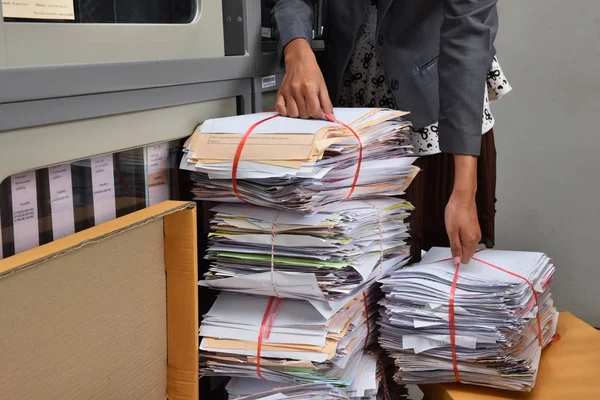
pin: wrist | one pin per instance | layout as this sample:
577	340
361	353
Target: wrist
296	51
465	176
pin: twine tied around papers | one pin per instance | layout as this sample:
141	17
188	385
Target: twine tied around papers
366	303
246	135
386	390
380	222
451	314
273	255
272	306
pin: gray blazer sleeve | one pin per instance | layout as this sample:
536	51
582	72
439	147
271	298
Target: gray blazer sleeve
292	20
466	53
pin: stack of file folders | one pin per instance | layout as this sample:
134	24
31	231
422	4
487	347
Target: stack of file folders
321	269
301	165
256	389
366	386
485	324
325	257
301	344
298	266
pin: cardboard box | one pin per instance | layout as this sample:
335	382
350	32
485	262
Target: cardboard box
569	369
107	313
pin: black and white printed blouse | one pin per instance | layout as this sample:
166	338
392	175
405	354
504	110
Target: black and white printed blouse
365	85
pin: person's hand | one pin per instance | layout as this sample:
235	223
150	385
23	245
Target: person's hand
303	92
462	223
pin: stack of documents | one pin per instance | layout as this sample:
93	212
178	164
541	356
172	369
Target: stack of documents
325	257
255	389
368	385
301	165
495	318
302	345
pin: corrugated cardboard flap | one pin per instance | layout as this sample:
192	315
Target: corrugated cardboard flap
110	312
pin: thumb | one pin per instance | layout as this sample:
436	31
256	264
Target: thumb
455	247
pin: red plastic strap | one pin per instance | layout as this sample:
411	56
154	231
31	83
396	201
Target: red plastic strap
451	315
244	139
451	322
332	118
535	296
238	153
366	303
265	329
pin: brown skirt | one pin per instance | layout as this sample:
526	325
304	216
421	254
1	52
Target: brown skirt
431	190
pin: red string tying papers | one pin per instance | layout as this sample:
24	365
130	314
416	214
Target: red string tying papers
275	302
535	296
244	139
238	154
265	329
451	314
451	323
332	118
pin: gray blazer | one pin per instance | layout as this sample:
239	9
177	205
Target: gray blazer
435	53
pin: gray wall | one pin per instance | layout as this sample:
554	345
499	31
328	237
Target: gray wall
548	142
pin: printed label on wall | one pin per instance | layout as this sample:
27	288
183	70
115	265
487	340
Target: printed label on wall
103	186
158	178
61	201
39	9
25	211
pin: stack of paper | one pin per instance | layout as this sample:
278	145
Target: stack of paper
324	257
368	385
301	165
495	318
302	345
255	389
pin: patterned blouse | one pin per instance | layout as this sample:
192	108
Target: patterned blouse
365	85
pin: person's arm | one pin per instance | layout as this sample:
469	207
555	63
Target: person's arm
303	92
292	19
466	52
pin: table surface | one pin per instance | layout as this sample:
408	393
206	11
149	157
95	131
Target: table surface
569	369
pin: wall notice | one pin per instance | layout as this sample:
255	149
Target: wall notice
39	9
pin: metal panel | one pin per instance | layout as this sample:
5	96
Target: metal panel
22	84
38	147
2	45
253	32
43	112
43	44
234	27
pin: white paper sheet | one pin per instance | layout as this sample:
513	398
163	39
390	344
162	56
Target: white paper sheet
103	186
25	211
157	174
61	201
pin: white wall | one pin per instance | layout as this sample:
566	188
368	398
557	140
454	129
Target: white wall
548	142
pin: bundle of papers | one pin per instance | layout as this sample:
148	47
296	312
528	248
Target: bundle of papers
302	345
301	165
324	257
255	389
496	318
367	385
